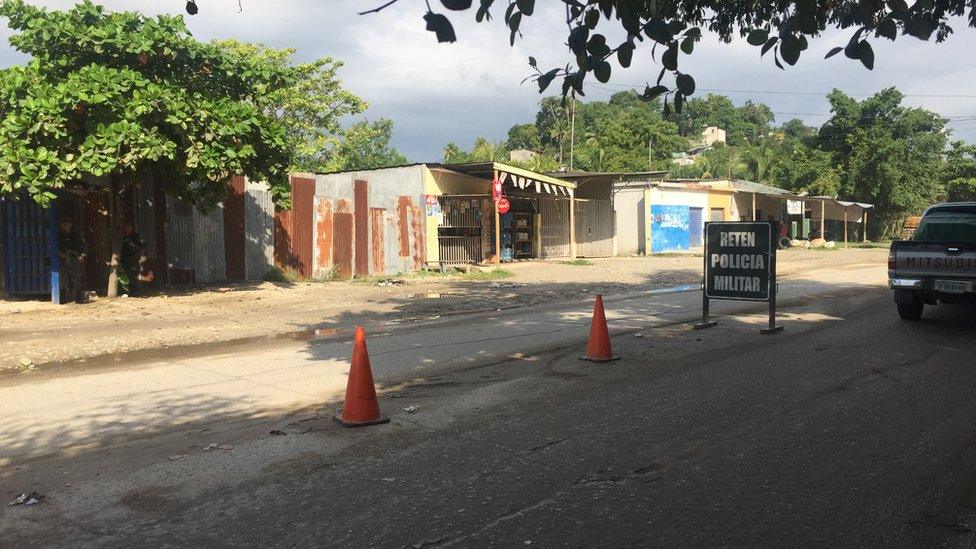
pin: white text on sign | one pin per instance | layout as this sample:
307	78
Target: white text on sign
738	261
737	239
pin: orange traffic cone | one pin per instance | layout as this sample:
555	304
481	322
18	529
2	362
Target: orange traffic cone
598	346
361	407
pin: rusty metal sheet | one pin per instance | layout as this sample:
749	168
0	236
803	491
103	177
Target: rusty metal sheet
343	245
282	240
323	235
234	228
302	196
361	215
404	204
418	230
376	239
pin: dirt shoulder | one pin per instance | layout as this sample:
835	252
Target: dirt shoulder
39	333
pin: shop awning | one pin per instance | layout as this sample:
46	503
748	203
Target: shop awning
519	178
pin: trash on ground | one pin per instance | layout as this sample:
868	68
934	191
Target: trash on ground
32	498
211	446
177	456
226	447
278	432
26	362
638	335
412	409
391	282
388	479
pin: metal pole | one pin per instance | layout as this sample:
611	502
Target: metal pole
705	323
572	134
773	289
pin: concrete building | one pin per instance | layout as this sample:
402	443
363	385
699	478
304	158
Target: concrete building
522	155
655	216
407	218
712	135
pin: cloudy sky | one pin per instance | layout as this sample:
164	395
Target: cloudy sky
437	93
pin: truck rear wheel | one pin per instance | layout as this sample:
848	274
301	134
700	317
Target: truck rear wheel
912	310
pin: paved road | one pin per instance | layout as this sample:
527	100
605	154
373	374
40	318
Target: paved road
851	429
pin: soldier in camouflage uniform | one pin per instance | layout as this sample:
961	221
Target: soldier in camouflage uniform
72	249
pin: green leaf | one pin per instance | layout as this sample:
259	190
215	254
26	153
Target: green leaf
526	6
625	54
688	45
789	49
602	71
686	85
757	37
652	93
768	45
440	26
670	58
833	52
456	5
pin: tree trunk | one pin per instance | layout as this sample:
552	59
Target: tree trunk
112	289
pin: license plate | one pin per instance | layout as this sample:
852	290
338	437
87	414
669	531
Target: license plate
953	286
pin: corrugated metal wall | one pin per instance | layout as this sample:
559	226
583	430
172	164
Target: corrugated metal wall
555	227
302	215
27	232
145	215
195	240
179	234
258	230
209	251
594	228
384	234
234	262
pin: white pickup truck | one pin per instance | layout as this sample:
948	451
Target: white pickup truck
938	265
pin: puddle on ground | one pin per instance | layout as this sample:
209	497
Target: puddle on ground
306	335
676	289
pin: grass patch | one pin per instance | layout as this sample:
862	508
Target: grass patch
291	276
577	262
494	274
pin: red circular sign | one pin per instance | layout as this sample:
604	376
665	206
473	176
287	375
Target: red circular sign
503	205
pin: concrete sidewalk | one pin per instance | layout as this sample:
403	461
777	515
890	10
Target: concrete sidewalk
51	412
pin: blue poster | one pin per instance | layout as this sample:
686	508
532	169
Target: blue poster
669	228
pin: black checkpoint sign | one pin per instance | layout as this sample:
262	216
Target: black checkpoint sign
738	260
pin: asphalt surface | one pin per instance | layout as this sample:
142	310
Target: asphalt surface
852	428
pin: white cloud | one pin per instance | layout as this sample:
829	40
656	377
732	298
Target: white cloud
437	93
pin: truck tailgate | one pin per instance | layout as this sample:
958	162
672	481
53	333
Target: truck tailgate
923	259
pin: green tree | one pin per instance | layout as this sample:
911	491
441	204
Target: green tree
805	170
311	108
524	136
109	94
364	145
886	153
959	172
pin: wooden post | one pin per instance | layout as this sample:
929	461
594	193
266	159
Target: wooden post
572	223
864	224
754	216
823	214
498	234
845	227
537	234
55	258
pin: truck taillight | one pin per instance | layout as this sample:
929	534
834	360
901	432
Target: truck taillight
891	260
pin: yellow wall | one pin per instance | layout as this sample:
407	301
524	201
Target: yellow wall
438	182
719	199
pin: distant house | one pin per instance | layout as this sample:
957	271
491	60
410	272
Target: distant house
712	135
523	155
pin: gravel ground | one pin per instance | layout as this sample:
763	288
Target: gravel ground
34	332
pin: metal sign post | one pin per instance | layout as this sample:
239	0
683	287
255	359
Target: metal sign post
740	264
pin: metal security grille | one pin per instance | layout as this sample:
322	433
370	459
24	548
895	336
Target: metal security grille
459	238
460	249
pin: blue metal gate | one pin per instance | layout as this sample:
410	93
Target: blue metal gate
695	228
29	266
